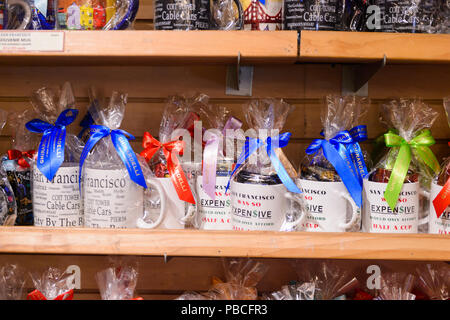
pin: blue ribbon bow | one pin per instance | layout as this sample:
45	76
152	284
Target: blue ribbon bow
333	152
51	148
120	141
251	145
359	134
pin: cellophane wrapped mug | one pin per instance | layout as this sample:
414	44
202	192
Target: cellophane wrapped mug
331	174
119	281
394	201
54	184
263	194
12	282
8	202
434	280
16	163
396	286
242	277
170	158
214	208
95	14
115	181
52	284
439	216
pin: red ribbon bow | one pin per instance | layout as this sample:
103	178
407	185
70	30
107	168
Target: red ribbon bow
14	154
442	200
151	146
37	295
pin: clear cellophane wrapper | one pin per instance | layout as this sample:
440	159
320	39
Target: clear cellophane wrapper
444	175
225	15
434	280
242	277
414	16
53	284
293	291
12	282
396	286
95	14
18	170
8	204
324	280
338	113
119	281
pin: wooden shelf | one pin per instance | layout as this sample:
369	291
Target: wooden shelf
197	243
335	46
168	47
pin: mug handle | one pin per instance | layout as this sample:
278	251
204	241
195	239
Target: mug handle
425	219
355	212
292	225
162	213
27	12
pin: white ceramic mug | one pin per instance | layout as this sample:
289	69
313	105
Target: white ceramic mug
378	216
57	203
328	207
437	225
263	207
113	200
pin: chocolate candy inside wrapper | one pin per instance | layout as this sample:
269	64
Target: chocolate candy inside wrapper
20	185
254	178
444	175
383	175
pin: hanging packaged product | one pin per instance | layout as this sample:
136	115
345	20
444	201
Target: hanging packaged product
12	282
410	16
242	277
310	14
214	203
170	159
16	164
113	178
95	14
118	282
393	191
439	216
53	284
434	280
263	194
331	174
55	186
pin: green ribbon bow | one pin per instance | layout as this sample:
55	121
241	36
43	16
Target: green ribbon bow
420	144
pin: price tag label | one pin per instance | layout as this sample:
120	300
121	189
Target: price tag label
26	41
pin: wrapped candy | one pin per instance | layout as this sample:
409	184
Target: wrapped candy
332	172
16	164
263	194
392	202
439	215
214	202
434	280
55	185
242	276
325	279
396	286
12	282
118	282
53	284
170	160
115	179
95	14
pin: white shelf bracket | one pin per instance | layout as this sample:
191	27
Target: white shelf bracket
239	79
355	77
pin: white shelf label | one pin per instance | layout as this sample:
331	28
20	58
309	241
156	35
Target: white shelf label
25	41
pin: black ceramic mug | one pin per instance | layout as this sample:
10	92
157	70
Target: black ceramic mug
192	15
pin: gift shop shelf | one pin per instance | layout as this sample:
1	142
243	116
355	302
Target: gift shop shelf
149	47
195	243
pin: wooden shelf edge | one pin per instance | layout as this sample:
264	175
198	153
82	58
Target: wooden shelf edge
198	243
357	47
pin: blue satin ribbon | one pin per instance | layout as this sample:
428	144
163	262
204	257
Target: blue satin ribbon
85	123
119	139
251	145
51	148
340	165
359	134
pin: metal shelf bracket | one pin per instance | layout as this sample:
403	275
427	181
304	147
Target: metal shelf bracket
239	79
355	77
